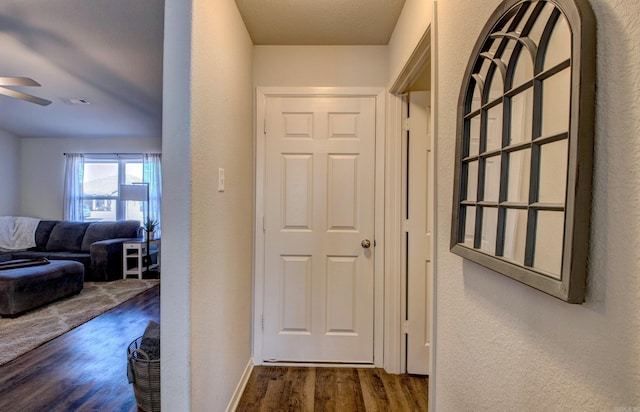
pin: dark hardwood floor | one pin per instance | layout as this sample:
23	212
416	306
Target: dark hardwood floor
276	388
84	369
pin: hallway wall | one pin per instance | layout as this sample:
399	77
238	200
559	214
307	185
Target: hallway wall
10	174
222	222
175	304
412	25
504	346
346	66
207	258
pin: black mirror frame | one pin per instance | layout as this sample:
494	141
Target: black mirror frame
571	285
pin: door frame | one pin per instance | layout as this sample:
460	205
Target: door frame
262	94
424	55
412	305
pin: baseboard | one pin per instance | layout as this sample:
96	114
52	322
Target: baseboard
237	394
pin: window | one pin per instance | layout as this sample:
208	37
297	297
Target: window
525	128
101	182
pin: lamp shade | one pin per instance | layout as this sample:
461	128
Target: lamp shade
134	192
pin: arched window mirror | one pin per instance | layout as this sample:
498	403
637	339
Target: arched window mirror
524	148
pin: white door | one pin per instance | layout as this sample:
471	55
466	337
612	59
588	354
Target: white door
419	233
319	212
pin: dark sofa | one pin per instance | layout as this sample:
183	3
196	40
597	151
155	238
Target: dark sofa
97	245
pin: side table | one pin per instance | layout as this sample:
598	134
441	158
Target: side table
133	254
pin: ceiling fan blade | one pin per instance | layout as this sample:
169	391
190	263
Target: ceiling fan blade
18	81
24	96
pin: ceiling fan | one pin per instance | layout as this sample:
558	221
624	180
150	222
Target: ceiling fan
21	81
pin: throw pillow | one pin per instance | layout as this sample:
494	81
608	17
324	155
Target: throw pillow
150	342
67	236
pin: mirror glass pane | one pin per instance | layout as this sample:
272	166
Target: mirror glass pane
525	18
523	71
476	98
469	226
494	128
536	31
496	88
556	92
521	117
519	173
559	48
484	69
472	181
507	52
553	172
492	178
474	136
549	240
515	235
505	23
489	229
494	43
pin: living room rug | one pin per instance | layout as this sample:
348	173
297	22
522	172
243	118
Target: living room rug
34	328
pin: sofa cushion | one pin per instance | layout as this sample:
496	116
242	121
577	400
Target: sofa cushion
84	258
77	256
31	254
43	231
98	231
127	229
67	236
26	288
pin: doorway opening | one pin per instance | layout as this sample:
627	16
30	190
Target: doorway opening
414	99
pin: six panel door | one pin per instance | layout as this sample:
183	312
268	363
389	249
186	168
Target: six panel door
319	215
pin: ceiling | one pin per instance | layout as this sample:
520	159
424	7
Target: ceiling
320	22
109	53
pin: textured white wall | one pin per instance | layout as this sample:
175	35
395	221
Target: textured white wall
412	24
176	208
321	66
9	174
221	230
503	346
42	168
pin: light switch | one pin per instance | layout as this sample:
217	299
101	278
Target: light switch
220	180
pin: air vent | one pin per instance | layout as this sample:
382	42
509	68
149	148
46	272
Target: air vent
76	100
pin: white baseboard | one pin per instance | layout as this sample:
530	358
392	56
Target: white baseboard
237	394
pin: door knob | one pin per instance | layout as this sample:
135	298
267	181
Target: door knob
366	243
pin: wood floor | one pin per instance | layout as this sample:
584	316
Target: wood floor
273	388
84	369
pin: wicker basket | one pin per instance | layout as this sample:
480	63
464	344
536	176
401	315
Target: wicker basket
146	377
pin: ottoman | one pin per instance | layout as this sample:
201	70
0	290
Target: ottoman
27	288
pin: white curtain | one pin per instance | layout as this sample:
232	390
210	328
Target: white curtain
73	176
152	171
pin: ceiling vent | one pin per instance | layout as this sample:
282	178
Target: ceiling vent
76	100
